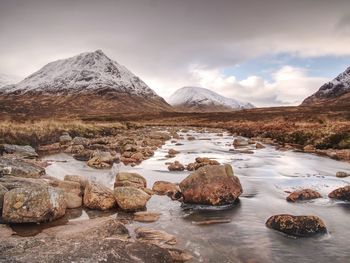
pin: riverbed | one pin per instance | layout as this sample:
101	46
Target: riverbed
266	177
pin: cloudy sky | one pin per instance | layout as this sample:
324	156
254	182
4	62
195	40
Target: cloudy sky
267	52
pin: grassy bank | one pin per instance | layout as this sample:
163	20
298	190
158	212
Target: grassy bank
36	133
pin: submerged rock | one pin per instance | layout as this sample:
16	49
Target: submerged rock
342	174
259	145
99	197
342	193
211	185
305	194
20	168
19	150
33	205
131	198
299	226
238	142
154	236
130	179
146	216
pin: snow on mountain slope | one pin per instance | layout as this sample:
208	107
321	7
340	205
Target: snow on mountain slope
337	88
7	80
191	97
87	72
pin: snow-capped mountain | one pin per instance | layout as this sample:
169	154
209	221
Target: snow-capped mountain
337	89
83	85
86	72
196	98
8	79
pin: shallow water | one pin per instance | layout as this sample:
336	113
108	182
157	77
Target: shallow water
265	176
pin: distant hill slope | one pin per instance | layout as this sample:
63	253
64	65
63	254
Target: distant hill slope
201	99
87	84
336	92
7	80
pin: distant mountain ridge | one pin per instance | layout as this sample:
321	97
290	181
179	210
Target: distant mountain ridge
87	84
8	80
201	99
336	91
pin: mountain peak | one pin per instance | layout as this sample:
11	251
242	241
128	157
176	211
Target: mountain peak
86	72
198	98
337	88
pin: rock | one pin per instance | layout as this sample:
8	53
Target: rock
102	239
33	205
131	198
3	191
211	222
101	160
83	156
179	255
159	136
305	194
76	149
211	185
21	151
12	182
200	162
78	179
80	141
245	151
153	236
342	174
239	142
72	191
191	138
165	188
309	148
176	166
129	179
50	148
146	216
20	168
138	157
65	138
259	145
342	193
98	197
299	226
173	152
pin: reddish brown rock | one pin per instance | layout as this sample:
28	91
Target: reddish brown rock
164	188
211	185
305	194
200	162
300	226
342	193
146	216
130	179
131	198
176	166
98	197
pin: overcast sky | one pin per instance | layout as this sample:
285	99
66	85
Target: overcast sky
267	52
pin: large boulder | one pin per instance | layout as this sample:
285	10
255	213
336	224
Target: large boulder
33	205
130	179
305	194
211	185
98	197
25	151
131	198
18	167
342	193
300	226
